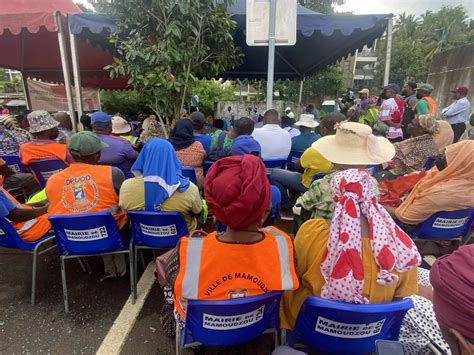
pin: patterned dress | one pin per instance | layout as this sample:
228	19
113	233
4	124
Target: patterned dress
193	157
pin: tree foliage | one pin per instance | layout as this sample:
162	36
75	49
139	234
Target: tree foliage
417	39
124	102
210	92
322	6
166	45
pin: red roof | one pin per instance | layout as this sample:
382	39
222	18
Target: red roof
29	43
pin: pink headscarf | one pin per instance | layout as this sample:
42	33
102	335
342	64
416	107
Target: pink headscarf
342	266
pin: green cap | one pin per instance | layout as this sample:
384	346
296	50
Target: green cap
85	143
425	87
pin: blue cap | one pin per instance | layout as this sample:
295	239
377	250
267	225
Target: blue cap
101	117
392	86
245	145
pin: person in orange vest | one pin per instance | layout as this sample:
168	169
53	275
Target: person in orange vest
44	129
85	187
245	260
30	221
426	104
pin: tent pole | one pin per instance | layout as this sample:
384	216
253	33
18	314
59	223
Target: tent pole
388	53
271	53
300	97
77	73
26	90
98	100
65	66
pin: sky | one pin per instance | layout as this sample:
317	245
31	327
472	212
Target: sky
415	7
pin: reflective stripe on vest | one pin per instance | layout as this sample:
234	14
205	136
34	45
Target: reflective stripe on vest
193	266
26	225
284	254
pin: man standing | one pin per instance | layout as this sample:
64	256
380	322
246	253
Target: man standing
119	152
391	112
274	140
409	96
458	112
426	103
289	112
228	115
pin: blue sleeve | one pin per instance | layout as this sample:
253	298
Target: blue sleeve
6	205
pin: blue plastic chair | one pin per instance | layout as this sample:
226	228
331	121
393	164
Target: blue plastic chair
229	322
44	169
9	238
154	230
347	328
372	169
190	173
207	166
293	158
14	162
453	225
87	234
272	164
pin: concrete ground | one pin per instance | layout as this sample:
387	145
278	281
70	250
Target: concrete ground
94	306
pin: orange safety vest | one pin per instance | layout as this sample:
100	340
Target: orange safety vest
210	269
432	107
84	188
33	229
30	152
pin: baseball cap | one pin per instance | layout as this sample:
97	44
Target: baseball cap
100	117
85	143
198	117
392	86
461	90
365	91
425	87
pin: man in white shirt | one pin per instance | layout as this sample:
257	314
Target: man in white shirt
274	140
458	112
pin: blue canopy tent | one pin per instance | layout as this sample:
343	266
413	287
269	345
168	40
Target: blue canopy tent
321	40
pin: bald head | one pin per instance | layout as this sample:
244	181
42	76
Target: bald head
64	120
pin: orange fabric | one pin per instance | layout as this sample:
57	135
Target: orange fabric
30	152
391	191
31	230
84	188
432	107
447	190
229	270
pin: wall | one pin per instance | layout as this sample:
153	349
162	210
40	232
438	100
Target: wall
451	68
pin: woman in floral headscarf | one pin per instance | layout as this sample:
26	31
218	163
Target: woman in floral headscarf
362	257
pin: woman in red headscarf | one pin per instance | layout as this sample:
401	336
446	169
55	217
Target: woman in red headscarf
245	260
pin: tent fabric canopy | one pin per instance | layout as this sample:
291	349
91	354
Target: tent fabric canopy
29	43
322	40
93	22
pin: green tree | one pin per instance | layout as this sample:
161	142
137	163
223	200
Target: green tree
322	6
124	102
210	92
14	86
166	45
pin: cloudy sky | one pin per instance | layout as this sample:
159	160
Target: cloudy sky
416	7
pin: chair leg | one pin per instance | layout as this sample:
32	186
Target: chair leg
143	260
33	277
63	280
81	264
132	273
135	272
178	339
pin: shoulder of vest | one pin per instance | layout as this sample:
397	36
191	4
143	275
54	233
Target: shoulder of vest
275	231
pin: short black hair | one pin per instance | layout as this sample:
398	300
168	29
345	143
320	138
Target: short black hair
412	84
244	126
272	115
86	122
218	123
329	121
287	121
310	108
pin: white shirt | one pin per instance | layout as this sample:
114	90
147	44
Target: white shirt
294	132
458	111
274	141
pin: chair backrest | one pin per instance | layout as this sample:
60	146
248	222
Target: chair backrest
14	162
445	225
9	237
272	164
157	229
276	207
372	169
44	169
230	322
190	173
294	156
333	326
86	233
429	163
207	166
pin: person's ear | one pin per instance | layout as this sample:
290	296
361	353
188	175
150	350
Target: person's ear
465	346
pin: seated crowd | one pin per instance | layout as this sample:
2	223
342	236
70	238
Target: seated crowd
351	242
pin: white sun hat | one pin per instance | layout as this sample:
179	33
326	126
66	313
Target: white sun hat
307	120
